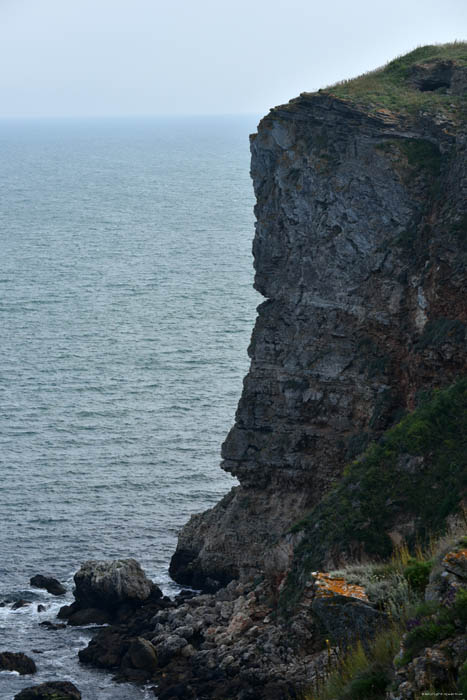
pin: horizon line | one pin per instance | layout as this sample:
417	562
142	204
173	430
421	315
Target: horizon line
4	117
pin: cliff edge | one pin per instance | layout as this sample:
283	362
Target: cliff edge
361	253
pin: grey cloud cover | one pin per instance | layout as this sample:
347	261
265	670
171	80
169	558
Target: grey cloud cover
138	57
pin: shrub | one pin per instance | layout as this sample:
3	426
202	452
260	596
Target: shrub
425	635
460	605
368	685
417	574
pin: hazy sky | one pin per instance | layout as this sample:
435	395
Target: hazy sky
131	57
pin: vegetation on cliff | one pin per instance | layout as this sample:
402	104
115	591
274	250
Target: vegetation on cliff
408	483
421	649
401	86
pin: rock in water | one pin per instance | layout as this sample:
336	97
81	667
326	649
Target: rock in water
55	690
109	584
18	662
50	584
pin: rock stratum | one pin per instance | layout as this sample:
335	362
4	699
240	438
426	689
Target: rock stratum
361	253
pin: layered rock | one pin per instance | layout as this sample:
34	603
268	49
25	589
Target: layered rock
360	251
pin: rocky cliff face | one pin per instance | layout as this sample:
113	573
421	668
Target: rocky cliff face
361	253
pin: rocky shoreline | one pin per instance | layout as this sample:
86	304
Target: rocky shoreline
238	643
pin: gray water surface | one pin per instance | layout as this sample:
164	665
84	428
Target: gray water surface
126	309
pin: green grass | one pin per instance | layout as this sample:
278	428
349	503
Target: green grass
361	673
418	473
389	87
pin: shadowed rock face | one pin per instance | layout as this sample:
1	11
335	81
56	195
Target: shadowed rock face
360	251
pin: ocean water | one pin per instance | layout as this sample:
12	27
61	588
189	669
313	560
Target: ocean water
126	309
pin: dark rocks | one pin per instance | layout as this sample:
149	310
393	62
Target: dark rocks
50	584
133	658
52	625
90	616
20	604
432	75
180	691
67	610
55	690
107	649
10	661
106	585
110	592
347	620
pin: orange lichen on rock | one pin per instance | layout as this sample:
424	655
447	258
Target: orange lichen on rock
456	562
455	556
326	586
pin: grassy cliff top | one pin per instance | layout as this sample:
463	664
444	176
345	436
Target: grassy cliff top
393	87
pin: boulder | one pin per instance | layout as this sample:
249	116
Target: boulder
344	609
142	655
107	585
22	664
20	604
50	584
106	649
55	690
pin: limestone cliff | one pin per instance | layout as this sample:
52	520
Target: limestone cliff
361	253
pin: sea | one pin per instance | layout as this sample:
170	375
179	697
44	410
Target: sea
126	310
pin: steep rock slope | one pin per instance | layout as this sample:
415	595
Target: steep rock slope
361	253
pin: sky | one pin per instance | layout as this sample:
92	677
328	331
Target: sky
175	57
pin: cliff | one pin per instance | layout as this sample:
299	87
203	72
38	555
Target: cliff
361	252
